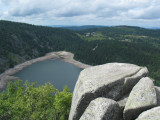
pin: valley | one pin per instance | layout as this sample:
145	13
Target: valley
20	42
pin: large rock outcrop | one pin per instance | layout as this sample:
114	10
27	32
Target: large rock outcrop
102	109
112	80
152	114
141	98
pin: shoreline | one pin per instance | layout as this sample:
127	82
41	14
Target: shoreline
62	55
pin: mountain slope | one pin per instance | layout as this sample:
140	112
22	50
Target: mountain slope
20	42
124	34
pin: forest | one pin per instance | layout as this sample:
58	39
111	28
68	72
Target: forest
20	42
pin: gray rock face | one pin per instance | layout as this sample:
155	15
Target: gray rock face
141	98
158	95
102	109
111	80
152	114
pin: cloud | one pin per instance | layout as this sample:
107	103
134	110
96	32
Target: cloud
26	12
150	13
71	8
74	10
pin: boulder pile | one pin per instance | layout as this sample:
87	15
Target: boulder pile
115	91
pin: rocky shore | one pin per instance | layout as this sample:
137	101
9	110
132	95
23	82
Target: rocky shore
62	55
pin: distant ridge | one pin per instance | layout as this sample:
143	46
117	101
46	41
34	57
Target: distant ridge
77	28
86	27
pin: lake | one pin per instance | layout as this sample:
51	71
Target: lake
57	72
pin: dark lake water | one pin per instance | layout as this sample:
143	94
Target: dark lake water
57	72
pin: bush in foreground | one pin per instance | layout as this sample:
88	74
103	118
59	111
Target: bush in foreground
34	102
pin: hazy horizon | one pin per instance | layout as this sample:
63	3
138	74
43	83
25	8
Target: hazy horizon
59	26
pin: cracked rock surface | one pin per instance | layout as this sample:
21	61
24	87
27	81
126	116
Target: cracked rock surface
112	80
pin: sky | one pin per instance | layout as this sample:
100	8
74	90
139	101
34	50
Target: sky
144	13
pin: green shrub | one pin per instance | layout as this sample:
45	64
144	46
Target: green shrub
34	102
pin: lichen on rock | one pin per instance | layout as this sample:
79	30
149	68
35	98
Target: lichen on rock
102	109
141	98
152	114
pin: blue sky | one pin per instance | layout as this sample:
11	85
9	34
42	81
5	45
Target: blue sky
144	13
